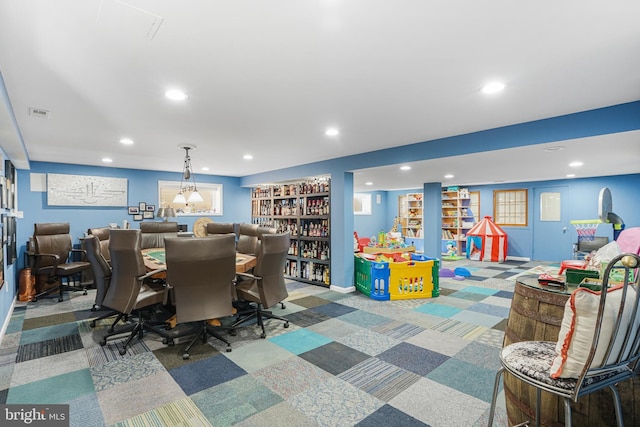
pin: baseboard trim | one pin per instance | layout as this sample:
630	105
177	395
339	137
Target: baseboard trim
5	325
343	290
517	258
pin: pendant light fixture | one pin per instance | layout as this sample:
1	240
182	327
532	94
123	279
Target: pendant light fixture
185	185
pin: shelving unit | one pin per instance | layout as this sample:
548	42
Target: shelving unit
457	218
410	210
302	209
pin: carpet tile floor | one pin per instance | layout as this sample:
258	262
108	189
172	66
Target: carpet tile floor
345	360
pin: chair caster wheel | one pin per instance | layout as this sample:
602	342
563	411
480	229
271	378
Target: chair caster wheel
263	335
233	333
34	299
168	342
123	352
103	342
92	324
85	292
185	356
228	349
60	299
286	325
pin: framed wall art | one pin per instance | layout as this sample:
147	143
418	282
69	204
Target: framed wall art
82	190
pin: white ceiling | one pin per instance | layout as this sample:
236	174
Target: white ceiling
268	77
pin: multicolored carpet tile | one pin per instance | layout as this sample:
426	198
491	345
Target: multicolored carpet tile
344	360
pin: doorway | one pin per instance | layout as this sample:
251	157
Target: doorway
551	234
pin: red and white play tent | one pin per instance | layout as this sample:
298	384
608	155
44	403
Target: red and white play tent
486	241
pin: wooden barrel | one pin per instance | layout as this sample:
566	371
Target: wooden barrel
536	315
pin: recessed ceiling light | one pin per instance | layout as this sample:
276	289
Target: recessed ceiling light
492	87
126	141
571	175
176	95
368	183
332	132
448	176
205	168
247	157
554	148
405	168
107	160
575	164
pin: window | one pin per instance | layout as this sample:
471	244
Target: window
550	203
510	207
362	204
211	193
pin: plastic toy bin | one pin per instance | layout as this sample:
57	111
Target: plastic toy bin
414	279
372	278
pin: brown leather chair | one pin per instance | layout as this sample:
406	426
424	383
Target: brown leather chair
247	238
201	273
153	233
102	279
220	228
102	234
127	293
266	286
55	258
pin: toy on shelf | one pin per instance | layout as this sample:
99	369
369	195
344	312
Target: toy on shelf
452	250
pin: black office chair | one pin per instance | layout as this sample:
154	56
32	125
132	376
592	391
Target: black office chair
266	286
598	346
201	273
55	258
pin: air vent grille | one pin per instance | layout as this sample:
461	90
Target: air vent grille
39	112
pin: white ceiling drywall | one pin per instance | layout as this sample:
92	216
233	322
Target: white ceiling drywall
267	79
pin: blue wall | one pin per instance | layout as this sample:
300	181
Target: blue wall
369	225
583	204
143	187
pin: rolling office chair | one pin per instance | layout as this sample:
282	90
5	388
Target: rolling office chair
266	286
53	253
102	234
153	233
127	292
598	346
220	228
247	238
102	279
201	273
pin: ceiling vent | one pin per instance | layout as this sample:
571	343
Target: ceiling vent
39	112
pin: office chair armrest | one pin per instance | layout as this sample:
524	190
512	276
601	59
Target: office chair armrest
151	273
248	275
56	259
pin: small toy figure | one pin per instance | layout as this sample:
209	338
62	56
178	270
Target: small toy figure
451	249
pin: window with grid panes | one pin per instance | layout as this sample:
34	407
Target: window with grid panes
510	207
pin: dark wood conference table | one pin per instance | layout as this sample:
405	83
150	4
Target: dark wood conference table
154	259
